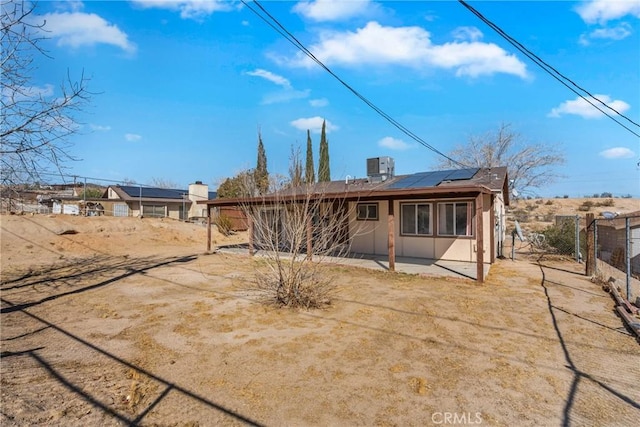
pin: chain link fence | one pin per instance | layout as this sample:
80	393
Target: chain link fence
617	251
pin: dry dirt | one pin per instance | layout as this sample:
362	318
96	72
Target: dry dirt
110	321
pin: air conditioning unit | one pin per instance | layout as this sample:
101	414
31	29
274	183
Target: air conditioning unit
380	168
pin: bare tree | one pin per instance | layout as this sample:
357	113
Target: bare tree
163	183
529	166
35	124
297	232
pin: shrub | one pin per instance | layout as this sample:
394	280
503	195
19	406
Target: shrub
562	237
566	196
607	203
549	202
586	206
224	224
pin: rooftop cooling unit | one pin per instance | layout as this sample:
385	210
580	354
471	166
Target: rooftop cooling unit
380	168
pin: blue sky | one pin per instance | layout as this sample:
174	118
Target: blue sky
183	86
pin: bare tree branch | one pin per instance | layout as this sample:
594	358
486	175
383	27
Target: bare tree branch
35	125
530	166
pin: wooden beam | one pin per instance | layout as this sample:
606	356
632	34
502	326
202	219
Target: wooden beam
392	239
250	228
492	235
309	237
591	262
479	239
208	229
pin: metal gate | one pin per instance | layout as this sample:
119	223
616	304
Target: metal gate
120	209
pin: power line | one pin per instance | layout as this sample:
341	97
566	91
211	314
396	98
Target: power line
280	29
564	80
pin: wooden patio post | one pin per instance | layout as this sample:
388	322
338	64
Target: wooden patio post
590	265
392	236
479	239
309	237
208	228
250	229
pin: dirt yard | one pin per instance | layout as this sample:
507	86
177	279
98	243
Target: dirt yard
109	321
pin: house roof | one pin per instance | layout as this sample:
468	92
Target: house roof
448	183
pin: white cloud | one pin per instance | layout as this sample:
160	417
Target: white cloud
618	32
375	44
582	108
314	124
332	10
22	93
77	29
284	96
189	9
268	75
320	102
603	11
287	93
617	153
393	143
99	128
467	34
132	137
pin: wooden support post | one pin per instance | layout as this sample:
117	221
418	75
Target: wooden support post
492	235
208	228
392	237
250	229
479	239
590	264
309	237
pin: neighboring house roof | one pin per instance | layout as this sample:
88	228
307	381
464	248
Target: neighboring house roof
620	223
131	193
424	184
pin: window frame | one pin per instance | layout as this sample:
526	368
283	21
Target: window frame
367	217
415	219
470	223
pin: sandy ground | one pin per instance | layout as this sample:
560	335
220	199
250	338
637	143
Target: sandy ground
127	321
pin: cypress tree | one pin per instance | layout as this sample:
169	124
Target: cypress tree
324	172
309	171
261	174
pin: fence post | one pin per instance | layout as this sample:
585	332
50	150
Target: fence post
627	255
595	246
591	260
577	239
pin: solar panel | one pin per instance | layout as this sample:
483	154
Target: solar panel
153	193
433	178
459	174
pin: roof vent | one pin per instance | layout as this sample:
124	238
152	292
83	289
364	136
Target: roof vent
380	168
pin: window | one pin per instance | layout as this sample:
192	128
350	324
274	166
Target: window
454	219
153	211
416	219
367	211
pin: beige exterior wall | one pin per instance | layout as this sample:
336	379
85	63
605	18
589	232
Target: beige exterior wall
371	237
197	193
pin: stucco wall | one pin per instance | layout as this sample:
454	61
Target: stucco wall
371	237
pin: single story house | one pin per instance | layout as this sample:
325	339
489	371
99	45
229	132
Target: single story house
443	215
134	200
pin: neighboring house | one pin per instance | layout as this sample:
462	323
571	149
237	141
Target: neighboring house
443	215
612	241
132	200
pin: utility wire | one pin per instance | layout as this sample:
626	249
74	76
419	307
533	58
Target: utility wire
280	29
566	81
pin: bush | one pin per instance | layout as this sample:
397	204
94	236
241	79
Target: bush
224	224
562	237
549	202
586	206
607	203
